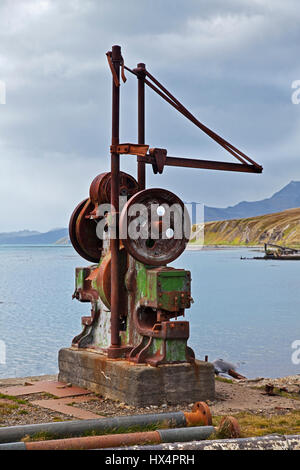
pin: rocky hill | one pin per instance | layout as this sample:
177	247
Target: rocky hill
281	228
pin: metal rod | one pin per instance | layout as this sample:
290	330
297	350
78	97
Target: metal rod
141	167
115	191
205	164
113	440
194	121
182	109
167	96
101	426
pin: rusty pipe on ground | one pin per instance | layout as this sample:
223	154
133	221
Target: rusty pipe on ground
111	440
200	415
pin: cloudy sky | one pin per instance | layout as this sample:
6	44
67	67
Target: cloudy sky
231	62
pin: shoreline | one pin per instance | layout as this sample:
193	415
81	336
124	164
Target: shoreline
222	247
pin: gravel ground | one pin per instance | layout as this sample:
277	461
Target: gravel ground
231	398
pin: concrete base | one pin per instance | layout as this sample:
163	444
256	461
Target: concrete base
137	384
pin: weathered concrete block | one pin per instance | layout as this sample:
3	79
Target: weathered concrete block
137	384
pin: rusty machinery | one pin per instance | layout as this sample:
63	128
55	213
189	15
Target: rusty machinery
135	297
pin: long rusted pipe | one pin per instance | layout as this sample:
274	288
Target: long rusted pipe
117	440
141	167
96	442
115	191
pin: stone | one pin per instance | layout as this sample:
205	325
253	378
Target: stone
137	384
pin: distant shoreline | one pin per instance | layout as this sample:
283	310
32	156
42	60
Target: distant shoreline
221	247
188	248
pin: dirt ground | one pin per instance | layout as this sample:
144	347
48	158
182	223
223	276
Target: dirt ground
232	397
250	396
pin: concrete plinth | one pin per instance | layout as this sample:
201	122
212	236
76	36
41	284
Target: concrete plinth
137	384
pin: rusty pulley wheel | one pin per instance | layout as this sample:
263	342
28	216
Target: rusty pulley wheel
103	281
82	232
155	226
100	189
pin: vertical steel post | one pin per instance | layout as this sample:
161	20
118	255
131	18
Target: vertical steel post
113	350
141	167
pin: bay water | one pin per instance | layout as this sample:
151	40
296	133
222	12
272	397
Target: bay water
244	311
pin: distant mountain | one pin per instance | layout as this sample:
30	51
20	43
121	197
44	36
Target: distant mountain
27	237
287	198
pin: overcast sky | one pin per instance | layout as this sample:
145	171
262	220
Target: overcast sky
232	63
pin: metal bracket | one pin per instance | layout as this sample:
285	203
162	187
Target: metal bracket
160	157
131	149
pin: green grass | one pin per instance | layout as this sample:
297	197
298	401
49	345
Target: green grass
39	436
260	425
45	436
233	234
277	391
223	379
7	408
12	398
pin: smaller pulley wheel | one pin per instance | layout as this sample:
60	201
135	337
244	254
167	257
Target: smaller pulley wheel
155	226
82	232
100	189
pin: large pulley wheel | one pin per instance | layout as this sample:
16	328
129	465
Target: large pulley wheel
82	232
83	222
155	226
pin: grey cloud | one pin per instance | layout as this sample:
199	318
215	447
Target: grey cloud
231	63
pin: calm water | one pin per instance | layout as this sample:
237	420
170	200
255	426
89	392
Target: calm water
244	311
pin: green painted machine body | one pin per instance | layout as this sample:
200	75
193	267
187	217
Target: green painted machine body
166	288
154	296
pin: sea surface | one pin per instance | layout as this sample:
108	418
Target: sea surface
244	311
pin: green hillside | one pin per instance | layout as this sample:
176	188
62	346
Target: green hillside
282	228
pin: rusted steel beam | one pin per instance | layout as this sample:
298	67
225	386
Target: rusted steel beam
167	96
114	440
141	167
115	190
205	164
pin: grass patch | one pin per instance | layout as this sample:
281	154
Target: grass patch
45	436
260	425
278	392
7	408
223	379
39	436
124	430
15	399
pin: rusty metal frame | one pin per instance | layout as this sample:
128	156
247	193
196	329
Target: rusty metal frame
156	157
